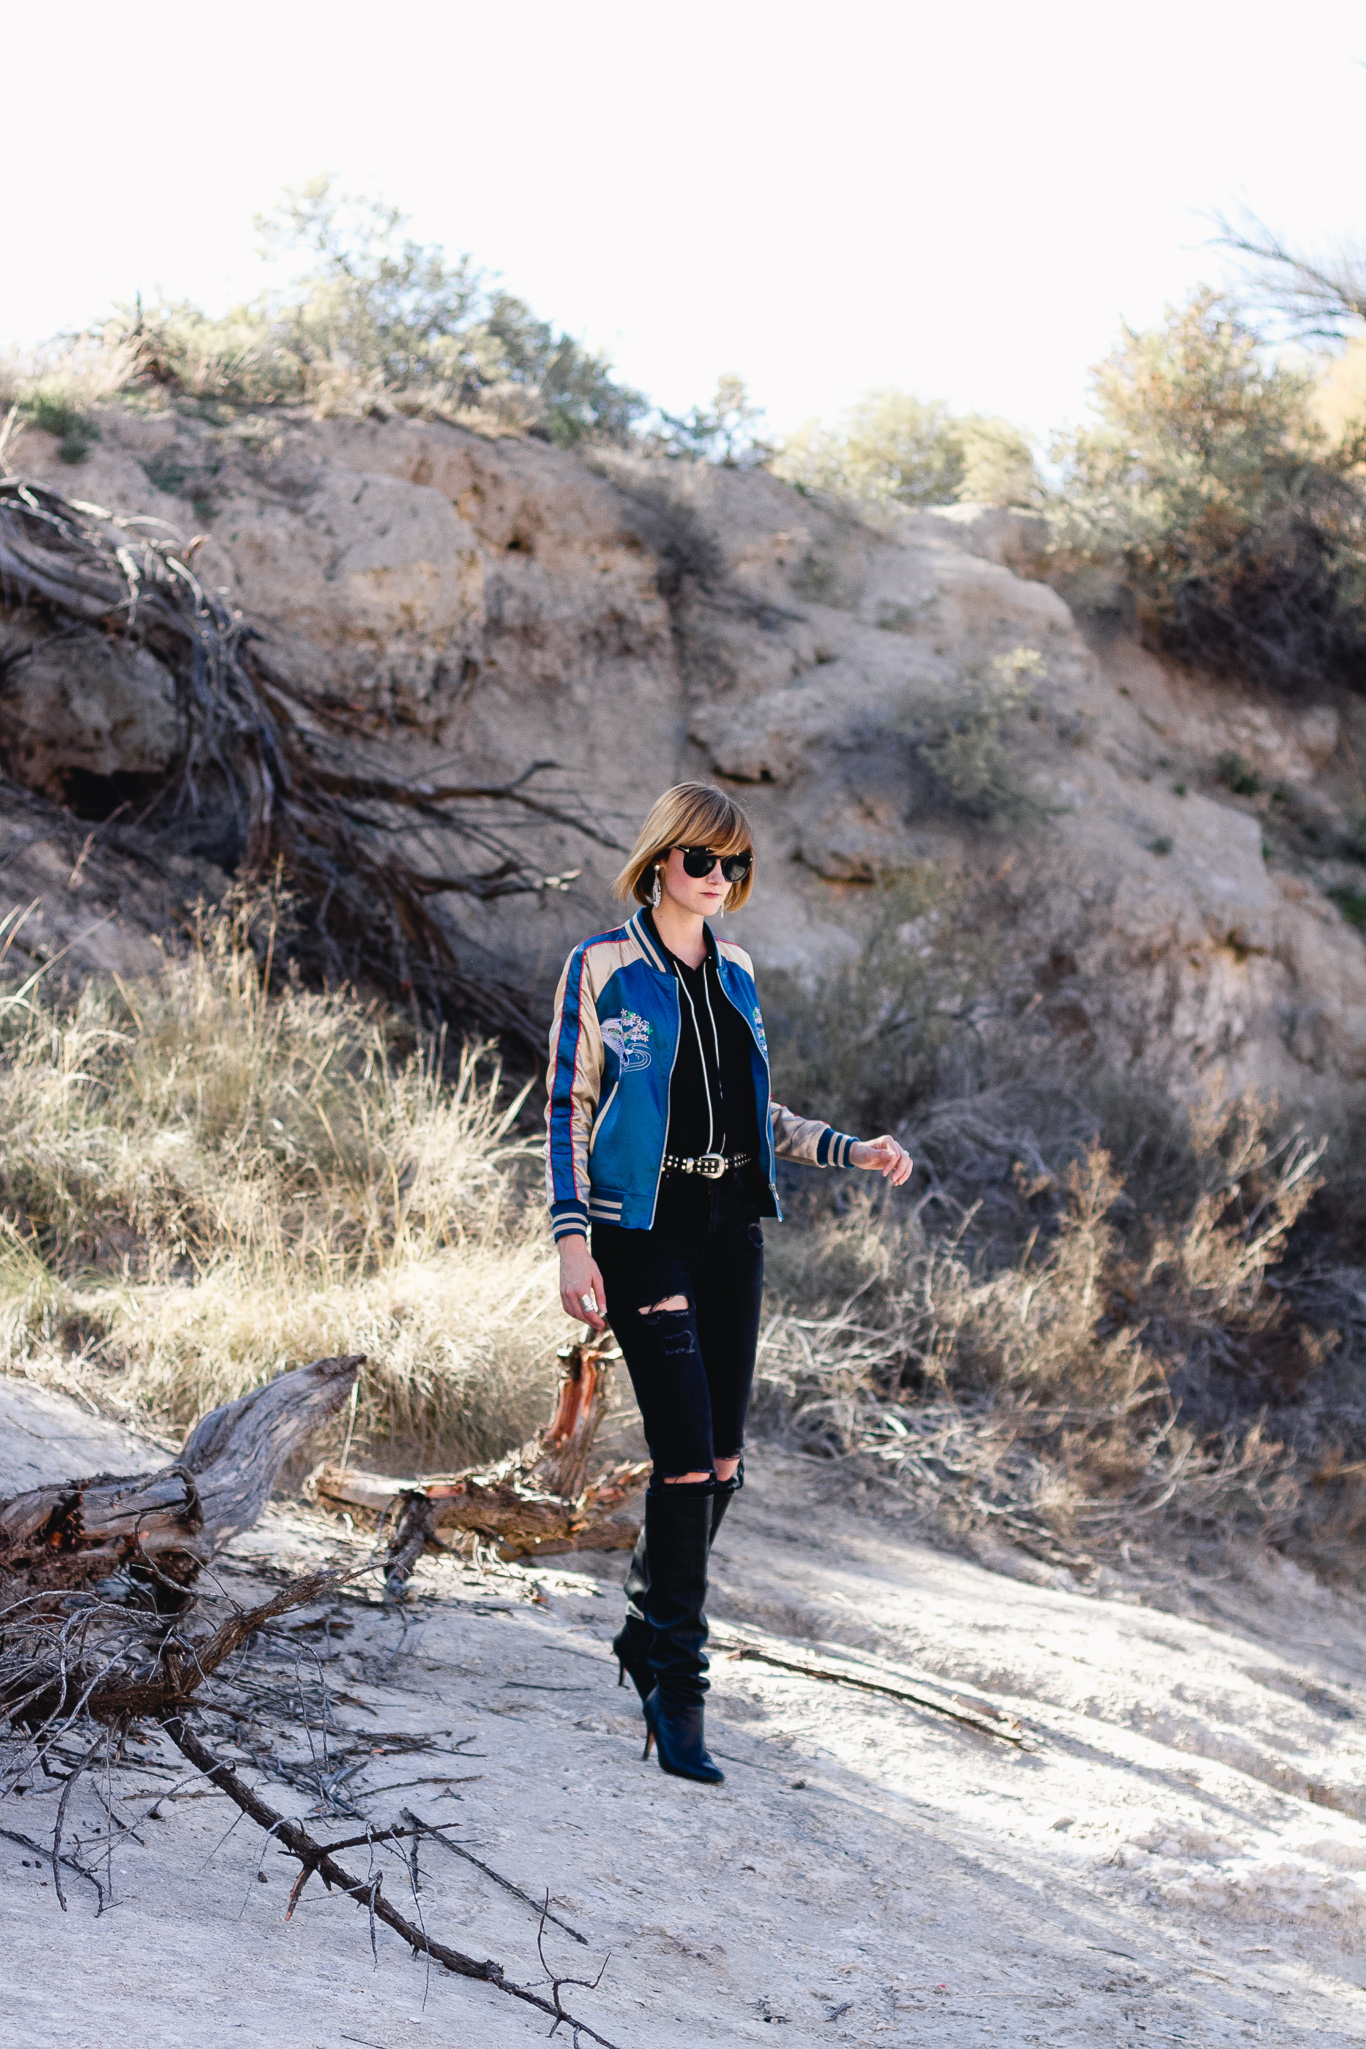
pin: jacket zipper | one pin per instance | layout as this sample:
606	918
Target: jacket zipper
766	1125
602	1116
701	1053
678	1033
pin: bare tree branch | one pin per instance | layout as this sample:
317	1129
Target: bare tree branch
1318	298
316	1856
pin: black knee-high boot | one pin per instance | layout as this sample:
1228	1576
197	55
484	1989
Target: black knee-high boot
631	1644
678	1522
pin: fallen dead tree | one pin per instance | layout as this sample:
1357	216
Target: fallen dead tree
121	1680
169	1523
81	1671
535	1502
66	1654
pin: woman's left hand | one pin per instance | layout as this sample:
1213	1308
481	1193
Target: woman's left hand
883	1156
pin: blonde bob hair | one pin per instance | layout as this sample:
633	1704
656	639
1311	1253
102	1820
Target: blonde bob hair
688	815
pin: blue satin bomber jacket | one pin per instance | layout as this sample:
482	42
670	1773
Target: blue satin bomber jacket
612	1049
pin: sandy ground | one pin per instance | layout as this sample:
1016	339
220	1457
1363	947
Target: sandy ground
1180	1855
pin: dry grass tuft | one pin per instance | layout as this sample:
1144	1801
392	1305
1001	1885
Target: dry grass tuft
202	1184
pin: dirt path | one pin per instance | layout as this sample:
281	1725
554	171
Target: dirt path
1177	1857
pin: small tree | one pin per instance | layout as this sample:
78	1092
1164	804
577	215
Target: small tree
1207	481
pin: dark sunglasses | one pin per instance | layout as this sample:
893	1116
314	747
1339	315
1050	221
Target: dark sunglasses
699	861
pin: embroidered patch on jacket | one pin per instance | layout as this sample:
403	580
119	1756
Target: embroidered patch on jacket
759	1032
629	1038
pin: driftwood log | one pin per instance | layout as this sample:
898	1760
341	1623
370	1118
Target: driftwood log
169	1523
535	1502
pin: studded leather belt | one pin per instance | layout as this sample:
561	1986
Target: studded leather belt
711	1166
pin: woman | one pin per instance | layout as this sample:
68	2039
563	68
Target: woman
663	1141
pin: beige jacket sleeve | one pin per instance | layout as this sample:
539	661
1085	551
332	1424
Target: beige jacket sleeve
573	1085
807	1140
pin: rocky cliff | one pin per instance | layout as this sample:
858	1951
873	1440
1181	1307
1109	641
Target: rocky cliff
1161	852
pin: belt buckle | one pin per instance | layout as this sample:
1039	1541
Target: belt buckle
711	1165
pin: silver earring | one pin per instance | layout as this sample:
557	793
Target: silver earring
656	892
722	911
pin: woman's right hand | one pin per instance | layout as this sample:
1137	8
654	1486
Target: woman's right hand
581	1283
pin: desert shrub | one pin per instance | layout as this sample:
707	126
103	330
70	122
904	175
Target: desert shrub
54	389
1122	1370
1351	902
76	432
1098	1311
202	1184
859	1044
892	449
962	743
373	315
1207	480
1236	773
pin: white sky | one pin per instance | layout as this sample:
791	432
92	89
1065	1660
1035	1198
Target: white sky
960	199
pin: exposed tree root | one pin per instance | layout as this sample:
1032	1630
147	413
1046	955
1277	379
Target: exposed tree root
282	769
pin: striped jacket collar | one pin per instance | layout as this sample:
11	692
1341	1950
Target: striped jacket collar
642	930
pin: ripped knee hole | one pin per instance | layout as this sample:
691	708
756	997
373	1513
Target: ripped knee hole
672	1305
667	1316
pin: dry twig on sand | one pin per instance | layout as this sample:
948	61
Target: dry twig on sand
315	1856
984	1720
424	1828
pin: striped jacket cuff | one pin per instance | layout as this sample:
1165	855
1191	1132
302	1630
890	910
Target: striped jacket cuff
569	1220
833	1148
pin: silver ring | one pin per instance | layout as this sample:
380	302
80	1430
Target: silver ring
588	1301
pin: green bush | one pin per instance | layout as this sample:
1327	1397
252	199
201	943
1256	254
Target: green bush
1351	902
964	748
1208	483
892	449
860	1045
55	414
1236	773
726	432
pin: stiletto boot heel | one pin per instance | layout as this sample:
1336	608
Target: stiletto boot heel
632	1660
631	1644
649	1739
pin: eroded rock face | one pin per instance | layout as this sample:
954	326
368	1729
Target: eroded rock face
375	581
83	708
499	603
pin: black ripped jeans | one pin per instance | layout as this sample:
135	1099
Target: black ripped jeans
692	1369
